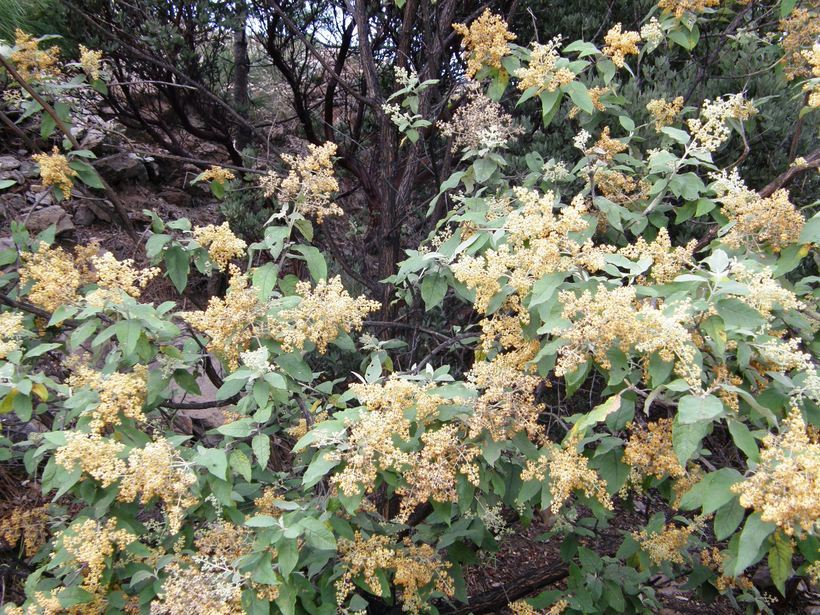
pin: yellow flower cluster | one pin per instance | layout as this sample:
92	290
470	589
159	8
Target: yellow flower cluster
800	31
221	243
157	471
54	275
31	61
667	262
620	44
649	452
664	112
26	523
121	395
479	123
217	174
188	589
785	486
652	33
595	95
568	471
11	326
90	60
432	475
90	544
538	243
715	560
667	545
486	40
417	569
620	188
710	130
322	313
54	171
613	318
229	322
681	7
812	56
506	405
541	73
371	439
96	456
311	182
773	220
520	607
115	278
765	293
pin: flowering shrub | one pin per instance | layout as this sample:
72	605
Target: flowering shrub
326	490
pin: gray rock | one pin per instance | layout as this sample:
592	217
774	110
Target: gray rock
29	169
93	140
9	163
123	167
12	205
84	215
176	197
15	175
41	219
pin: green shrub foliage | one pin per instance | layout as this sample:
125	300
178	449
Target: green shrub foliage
631	261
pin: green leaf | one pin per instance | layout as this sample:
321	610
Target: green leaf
315	262
318	468
261	449
693	409
6	183
580	96
286	601
811	230
712	492
128	334
287	556
744	439
318	534
264	279
686	438
596	415
241	464
433	289
214	460
484	169
751	539
177	266
780	561
241	428
738	315
728	519
87	174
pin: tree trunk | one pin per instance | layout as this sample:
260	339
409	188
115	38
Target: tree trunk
242	68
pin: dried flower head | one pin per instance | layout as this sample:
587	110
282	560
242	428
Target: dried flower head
800	31
221	243
541	72
417	569
710	130
32	62
666	546
664	112
479	123
120	395
217	174
91	61
116	278
649	452
55	278
230	323
27	524
486	41
322	313
54	171
620	44
97	456
90	544
681	7
785	486
310	182
11	326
